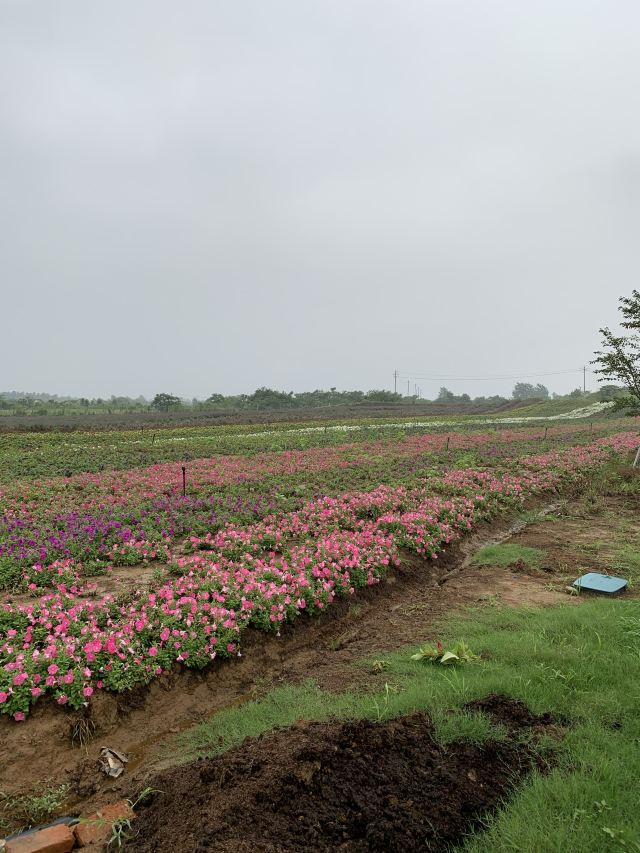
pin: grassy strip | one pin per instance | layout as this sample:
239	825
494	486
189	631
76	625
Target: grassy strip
582	663
507	554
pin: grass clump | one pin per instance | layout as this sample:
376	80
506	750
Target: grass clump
465	724
508	554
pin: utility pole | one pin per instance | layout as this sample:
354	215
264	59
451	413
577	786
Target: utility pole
584	379
408	391
395	381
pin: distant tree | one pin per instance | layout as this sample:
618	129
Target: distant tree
527	391
215	398
522	391
465	398
542	392
446	396
163	402
619	359
378	395
267	398
577	392
608	393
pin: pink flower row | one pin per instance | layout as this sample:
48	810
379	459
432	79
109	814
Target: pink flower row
261	576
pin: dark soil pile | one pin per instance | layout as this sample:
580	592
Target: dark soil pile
511	713
347	786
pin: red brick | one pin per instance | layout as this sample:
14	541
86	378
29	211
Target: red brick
53	839
97	827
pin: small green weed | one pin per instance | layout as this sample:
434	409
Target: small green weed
30	809
459	653
121	833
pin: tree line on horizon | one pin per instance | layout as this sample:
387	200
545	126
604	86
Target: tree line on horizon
262	399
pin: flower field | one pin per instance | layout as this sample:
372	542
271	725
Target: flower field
255	541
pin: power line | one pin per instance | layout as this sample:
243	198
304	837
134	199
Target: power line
411	375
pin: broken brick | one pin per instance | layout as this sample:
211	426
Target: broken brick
97	827
52	839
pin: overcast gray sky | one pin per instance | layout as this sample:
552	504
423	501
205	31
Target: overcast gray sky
202	197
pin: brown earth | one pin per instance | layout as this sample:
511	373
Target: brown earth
403	610
348	786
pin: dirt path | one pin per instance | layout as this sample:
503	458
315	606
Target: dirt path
400	611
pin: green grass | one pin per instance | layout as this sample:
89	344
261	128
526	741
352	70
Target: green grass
507	554
626	562
455	723
622	560
560	406
534	516
280	707
582	663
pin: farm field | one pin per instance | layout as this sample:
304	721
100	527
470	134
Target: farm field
65	419
135	603
85	448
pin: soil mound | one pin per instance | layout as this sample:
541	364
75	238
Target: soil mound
347	786
512	713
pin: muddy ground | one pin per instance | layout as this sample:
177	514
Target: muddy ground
581	535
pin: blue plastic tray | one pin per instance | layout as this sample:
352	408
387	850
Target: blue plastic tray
600	583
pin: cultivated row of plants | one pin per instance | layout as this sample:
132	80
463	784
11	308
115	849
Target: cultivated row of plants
120	517
50	454
221	582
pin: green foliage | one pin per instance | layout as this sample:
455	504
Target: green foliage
27	810
527	391
460	653
10	573
164	402
382	396
619	358
446	396
121	833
